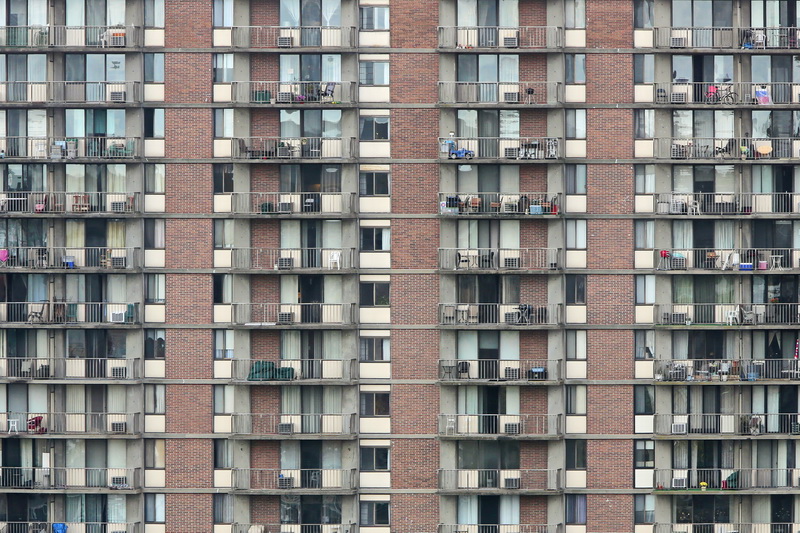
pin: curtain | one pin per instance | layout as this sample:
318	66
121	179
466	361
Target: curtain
332	343
117	399
724	232
508	17
467	15
331	68
331	233
75	233
467	345
290	455
117	453
331	455
332	290
74	511
290	13
680	345
509	345
468	400
683	289
115	233
115	178
509	509
117	285
468	509
331	13
76	400
727	400
512	400
680	400
682	234
290	234
289	289
724	290
76	453
290	345
331	399
680	454
290	400
116	508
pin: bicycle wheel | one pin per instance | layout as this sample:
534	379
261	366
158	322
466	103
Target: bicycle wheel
730	98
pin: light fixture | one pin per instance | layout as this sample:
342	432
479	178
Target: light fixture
452	134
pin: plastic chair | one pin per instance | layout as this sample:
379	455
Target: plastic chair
732	317
335	257
3	257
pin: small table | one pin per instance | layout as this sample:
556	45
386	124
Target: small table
776	262
448	372
764	151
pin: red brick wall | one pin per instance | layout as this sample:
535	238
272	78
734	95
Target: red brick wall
190	408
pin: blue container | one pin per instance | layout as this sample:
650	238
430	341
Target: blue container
536	210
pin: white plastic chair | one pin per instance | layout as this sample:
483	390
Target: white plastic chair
335	257
732	317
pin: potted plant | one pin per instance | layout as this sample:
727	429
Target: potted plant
703	485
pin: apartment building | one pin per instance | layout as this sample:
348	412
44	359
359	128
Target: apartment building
451	266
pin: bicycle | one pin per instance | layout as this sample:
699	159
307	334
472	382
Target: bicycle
721	94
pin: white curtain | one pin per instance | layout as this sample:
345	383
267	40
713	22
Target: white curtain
117	453
332	290
331	13
76	453
680	344
75	233
509	234
331	233
332	399
680	400
727	400
116	508
682	237
331	68
290	345
118	287
289	289
468	509
332	343
724	231
468	400
76	399
37	398
467	345
290	234
290	13
115	178
509	509
115	233
75	508
331	455
116	401
509	345
290	400
512	400
680	454
290	454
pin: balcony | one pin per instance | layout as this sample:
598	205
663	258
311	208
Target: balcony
276	426
719	424
284	149
70	36
310	204
513	38
474	481
493	314
60	478
727	148
295	481
71	313
54	368
720	203
292	315
500	371
70	92
289	94
746	260
282	38
726	93
711	528
513	259
25	527
499	204
293	528
49	424
502	528
704	370
295	370
70	148
720	479
291	260
528	426
500	93
84	259
526	149
727	38
740	314
75	203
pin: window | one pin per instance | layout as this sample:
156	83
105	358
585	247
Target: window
576	399
643	400
575	508
223	178
155	178
223	288
223	68
642	14
154	13
576	123
373	73
374	404
645	289
643	68
154	123
154	68
644	506
223	344
644	340
644	234
223	453
374	18
154	505
223	233
374	459
154	290
154	233
374	293
576	179
374	349
223	13
154	400
575	69
223	508
223	399
374	514
576	289
375	239
576	454
223	123
576	234
155	343
644	454
644	123
576	344
154	453
645	178
373	128
576	13
373	184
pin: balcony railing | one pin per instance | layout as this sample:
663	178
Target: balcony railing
25	527
517	148
715	527
727	478
727	38
293	528
294	37
283	148
512	371
61	148
726	370
287	479
72	258
500	37
69	478
69	312
294	92
500	479
501	528
297	203
726	203
751	260
286	425
293	259
727	424
293	369
96	92
727	148
73	368
726	93
493	92
467	314
70	423
268	314
513	425
70	36
728	314
499	258
116	203
499	203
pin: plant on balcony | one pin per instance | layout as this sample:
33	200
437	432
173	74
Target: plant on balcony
703	485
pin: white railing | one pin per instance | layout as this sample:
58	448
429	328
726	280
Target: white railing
293	369
269	314
295	203
265	148
528	425
726	369
493	92
280	479
728	314
499	203
525	479
293	528
726	424
69	312
26	527
293	259
509	370
72	368
727	38
108	92
732	526
117	203
70	423
726	93
55	477
59	148
727	148
470	314
499	258
293	92
517	148
287	425
71	258
500	528
738	259
71	36
500	37
294	37
720	479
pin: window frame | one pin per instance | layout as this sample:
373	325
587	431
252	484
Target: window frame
575	124
154	123
576	400
371	514
367	355
157	353
223	175
575	454
572	511
366	72
155	291
374	290
155	454
576	234
644	508
386	237
641	393
648	450
368	128
575	285
576	177
370	407
575	69
367	182
367	18
372	453
155	508
153	67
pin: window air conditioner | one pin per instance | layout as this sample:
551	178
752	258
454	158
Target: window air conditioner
510	42
511	483
285	263
679	429
512	429
118	427
285	317
511	262
116	96
677	42
285	41
286	428
678	98
119	372
118	262
511	98
118	481
285	482
118	317
679	483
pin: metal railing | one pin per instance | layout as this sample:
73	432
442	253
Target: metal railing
470	314
510	370
749	38
493	92
516	148
287	425
333	480
294	37
69	312
728	314
60	148
265	148
294	92
285	203
293	259
117	203
72	368
499	203
501	528
726	93
500	479
500	37
499	258
88	527
72	258
293	528
108	92
739	259
293	369
269	314
725	203
725	369
727	424
523	425
727	478
773	527
56	477
727	148
70	36
70	423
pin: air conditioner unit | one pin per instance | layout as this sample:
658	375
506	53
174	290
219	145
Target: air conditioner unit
285	41
679	483
119	207
118	262
677	42
286	428
285	263
119	372
678	98
118	317
512	429
285	97
118	427
511	262
511	483
116	96
285	207
510	42
512	373
680	429
512	153
117	481
511	98
285	317
285	482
